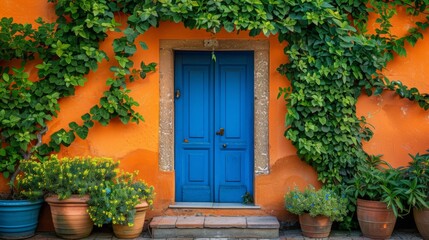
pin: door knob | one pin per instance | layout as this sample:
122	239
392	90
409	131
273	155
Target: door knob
220	132
224	145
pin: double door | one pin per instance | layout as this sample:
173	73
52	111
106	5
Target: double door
213	126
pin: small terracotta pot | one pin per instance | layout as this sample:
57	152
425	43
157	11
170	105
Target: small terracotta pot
124	231
70	217
376	221
421	217
315	227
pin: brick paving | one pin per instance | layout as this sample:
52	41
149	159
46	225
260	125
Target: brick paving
401	234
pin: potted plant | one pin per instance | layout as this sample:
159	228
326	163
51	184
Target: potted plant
376	185
415	183
317	209
124	203
21	131
26	107
19	214
69	184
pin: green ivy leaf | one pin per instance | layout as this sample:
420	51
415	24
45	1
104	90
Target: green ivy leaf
86	117
6	77
229	27
143	45
130	49
73	125
400	50
82	132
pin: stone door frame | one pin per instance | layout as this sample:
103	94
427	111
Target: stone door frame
261	95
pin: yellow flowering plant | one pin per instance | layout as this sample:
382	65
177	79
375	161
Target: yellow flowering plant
77	175
116	202
62	176
113	193
29	181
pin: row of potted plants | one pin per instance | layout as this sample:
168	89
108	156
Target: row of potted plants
383	193
81	192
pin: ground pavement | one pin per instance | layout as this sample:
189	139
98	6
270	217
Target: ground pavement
406	234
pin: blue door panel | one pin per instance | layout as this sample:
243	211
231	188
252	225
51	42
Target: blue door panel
230	194
193	124
198	99
233	165
216	95
231	81
195	174
234	113
196	194
197	167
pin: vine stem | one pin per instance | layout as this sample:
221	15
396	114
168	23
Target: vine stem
415	8
26	156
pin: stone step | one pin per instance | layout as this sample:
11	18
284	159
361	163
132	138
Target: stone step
266	227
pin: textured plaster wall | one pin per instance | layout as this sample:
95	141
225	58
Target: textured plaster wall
400	126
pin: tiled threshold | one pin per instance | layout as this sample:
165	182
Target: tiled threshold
211	205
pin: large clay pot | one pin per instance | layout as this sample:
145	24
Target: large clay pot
19	218
421	217
315	227
70	218
125	231
376	221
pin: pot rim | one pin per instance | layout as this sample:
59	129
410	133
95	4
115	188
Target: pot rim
20	202
371	203
72	199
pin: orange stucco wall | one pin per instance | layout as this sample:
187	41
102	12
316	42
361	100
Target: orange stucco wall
401	127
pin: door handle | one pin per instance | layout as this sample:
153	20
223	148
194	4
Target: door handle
220	132
224	145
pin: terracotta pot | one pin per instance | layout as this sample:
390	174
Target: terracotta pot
125	231
376	221
315	227
421	217
70	218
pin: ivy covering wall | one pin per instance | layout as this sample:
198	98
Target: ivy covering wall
332	61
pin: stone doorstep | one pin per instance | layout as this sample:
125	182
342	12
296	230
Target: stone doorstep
226	233
225	222
262	222
190	222
214	222
209	227
163	222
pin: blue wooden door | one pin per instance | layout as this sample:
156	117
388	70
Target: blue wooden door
213	126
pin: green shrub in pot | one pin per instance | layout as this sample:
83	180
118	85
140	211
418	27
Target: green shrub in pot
322	202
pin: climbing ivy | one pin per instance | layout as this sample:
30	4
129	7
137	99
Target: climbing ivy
396	45
332	61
